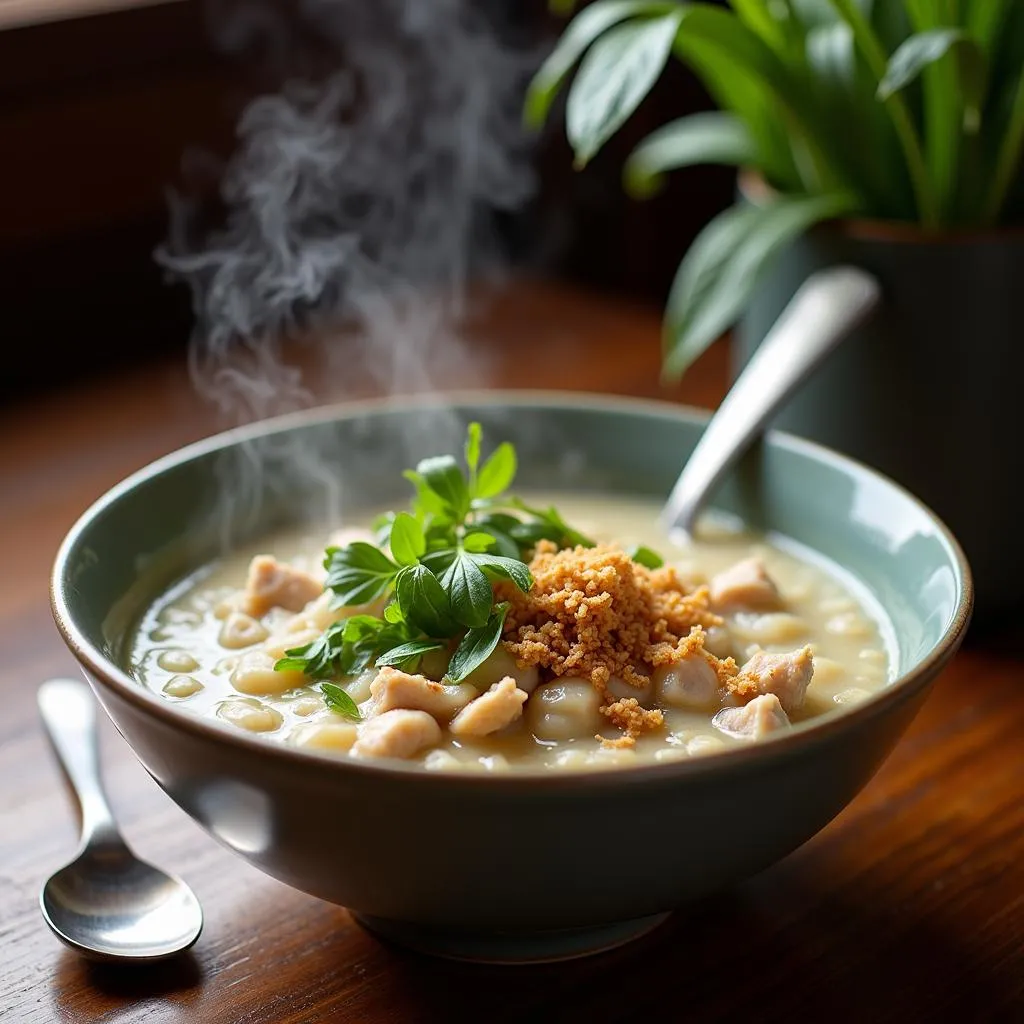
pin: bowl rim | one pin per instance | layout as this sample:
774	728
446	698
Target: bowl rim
105	672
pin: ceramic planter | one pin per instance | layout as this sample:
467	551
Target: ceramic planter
928	390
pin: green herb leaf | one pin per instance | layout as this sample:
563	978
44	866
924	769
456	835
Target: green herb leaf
478	541
468	589
442	475
289	664
615	75
498	567
322	658
548	524
359	627
381	527
339	701
643	555
393	613
428	504
476	646
408	542
497	472
423	601
358	573
408	654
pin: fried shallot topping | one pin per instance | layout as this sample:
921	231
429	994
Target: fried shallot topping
596	614
632	719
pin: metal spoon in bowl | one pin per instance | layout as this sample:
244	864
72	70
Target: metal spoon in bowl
824	310
107	903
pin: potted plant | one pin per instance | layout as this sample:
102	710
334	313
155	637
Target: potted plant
885	134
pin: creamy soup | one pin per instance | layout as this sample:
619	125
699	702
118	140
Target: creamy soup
734	639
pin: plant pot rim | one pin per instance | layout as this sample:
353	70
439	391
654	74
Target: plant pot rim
754	189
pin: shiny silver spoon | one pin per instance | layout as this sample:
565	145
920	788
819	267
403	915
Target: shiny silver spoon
107	903
824	310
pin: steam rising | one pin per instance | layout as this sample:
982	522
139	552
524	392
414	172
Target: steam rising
357	208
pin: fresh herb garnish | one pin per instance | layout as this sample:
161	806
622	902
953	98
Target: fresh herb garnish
338	700
643	555
435	567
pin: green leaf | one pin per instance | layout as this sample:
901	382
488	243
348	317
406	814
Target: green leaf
339	701
499	567
478	541
442	475
548	524
643	555
871	48
360	627
748	76
615	75
427	503
497	472
407	540
1010	155
358	573
710	137
326	657
720	270
473	434
867	147
985	20
924	48
764	17
497	525
406	653
954	70
591	22
468	589
293	663
476	646
393	613
423	601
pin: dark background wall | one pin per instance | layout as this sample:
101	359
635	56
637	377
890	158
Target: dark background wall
96	114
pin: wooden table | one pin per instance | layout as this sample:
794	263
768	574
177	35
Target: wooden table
908	907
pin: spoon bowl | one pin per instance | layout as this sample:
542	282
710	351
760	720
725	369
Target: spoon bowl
108	903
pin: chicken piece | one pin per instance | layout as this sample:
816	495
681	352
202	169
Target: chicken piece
745	585
274	584
501	705
785	675
690	682
762	716
398	733
393	688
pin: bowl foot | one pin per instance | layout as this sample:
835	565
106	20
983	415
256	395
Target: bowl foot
510	947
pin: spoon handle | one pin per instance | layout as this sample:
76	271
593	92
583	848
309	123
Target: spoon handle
68	710
824	310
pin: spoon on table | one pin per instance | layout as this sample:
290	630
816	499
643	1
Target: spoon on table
824	310
107	903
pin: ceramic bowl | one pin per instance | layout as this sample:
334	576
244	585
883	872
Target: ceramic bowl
519	866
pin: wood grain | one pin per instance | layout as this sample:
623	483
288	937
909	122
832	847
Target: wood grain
908	907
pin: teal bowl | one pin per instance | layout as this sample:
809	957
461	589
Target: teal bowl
512	867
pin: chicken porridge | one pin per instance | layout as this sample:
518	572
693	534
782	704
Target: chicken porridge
483	632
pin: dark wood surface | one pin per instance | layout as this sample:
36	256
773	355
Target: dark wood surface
908	907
